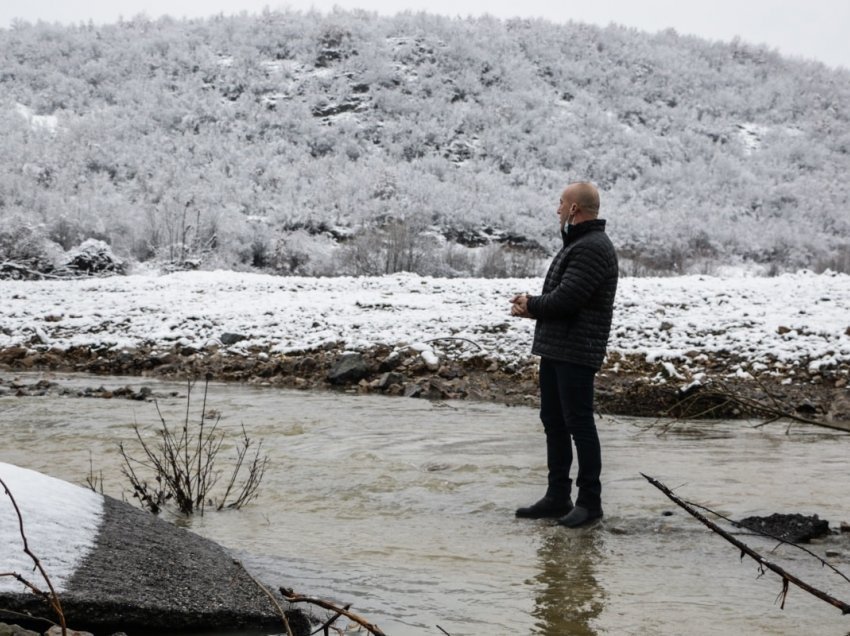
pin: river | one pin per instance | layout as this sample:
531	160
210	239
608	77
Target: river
404	508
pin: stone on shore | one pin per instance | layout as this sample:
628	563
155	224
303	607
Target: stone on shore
350	368
116	567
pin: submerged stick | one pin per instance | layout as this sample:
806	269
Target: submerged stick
298	598
787	577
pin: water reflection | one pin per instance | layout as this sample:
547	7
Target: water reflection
568	596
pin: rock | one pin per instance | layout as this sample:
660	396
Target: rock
431	360
839	409
844	527
305	366
412	390
15	630
57	631
795	528
806	407
782	330
390	362
12	354
120	568
439	390
228	338
350	368
388	379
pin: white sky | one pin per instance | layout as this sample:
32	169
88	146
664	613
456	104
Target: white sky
814	29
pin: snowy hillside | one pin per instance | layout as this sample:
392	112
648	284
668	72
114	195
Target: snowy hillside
357	144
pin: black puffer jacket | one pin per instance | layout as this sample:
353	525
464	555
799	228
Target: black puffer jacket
574	311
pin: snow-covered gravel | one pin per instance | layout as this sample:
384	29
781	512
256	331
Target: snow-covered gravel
790	318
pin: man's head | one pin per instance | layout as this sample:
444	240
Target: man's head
579	203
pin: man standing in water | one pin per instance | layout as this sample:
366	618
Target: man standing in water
573	315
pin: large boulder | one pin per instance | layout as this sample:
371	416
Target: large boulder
115	567
350	368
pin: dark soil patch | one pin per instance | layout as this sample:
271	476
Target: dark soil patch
626	385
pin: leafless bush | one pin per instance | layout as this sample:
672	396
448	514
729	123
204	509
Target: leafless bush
837	260
500	261
183	463
397	246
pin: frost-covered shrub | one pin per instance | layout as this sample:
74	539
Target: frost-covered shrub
304	254
454	261
25	251
95	257
398	246
836	260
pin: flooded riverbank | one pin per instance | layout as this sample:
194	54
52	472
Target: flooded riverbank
405	508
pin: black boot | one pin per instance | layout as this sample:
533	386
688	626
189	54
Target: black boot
580	516
547	507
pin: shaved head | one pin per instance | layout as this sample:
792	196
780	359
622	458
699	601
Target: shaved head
585	196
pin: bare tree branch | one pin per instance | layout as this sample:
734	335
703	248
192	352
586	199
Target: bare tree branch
298	598
271	596
53	597
748	551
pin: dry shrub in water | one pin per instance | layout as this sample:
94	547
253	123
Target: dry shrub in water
183	465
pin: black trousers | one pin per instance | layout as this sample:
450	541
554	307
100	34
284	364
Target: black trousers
566	410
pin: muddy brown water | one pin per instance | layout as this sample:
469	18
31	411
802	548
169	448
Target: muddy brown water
404	508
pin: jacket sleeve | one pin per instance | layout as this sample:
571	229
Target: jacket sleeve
583	275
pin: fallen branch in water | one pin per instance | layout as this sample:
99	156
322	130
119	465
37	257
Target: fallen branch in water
787	577
768	535
718	398
291	597
52	598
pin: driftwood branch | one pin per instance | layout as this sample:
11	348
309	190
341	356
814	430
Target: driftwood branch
472	342
52	598
27	271
779	540
714	399
271	596
291	597
763	563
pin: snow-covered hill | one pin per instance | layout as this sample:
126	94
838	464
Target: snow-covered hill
296	143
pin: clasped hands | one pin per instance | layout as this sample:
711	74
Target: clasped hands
519	306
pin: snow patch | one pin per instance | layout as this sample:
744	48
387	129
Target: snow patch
61	523
751	136
38	122
682	320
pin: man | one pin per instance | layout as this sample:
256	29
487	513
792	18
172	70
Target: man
573	317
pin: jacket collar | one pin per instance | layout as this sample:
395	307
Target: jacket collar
572	232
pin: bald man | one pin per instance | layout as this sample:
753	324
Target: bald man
573	320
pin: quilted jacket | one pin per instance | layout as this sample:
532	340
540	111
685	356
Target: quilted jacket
575	309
